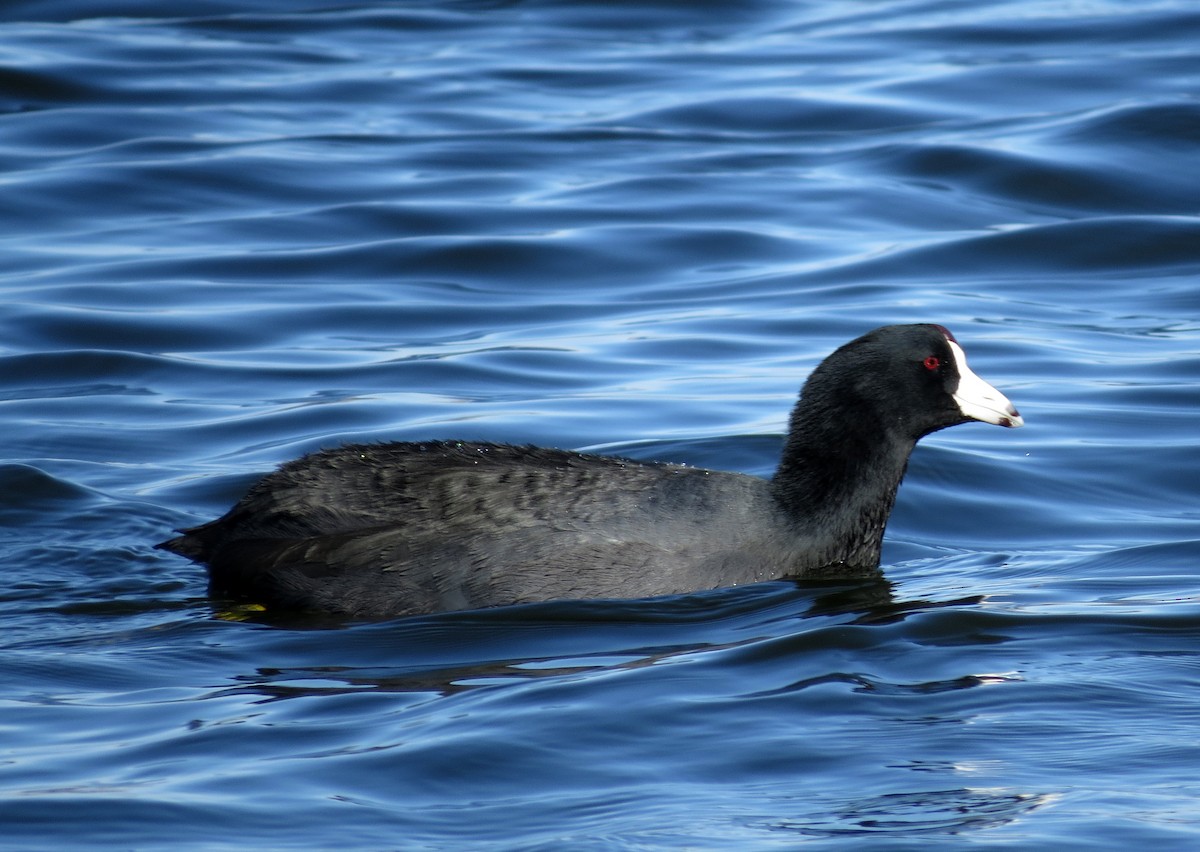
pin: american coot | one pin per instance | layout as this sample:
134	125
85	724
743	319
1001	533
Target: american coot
404	528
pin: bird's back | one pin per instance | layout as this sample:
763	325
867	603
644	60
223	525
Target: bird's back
420	527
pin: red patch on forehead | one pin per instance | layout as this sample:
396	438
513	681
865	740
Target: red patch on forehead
945	331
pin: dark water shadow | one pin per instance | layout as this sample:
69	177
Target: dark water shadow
928	812
454	652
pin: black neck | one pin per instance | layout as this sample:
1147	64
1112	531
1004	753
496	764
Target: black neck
837	481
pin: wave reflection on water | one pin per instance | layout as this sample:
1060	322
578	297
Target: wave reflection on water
233	234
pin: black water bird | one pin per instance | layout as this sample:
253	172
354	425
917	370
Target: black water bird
377	530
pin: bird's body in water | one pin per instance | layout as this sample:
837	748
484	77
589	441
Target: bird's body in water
406	528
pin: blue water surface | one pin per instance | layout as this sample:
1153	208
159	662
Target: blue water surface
233	232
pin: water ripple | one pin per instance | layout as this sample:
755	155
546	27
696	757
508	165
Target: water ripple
235	233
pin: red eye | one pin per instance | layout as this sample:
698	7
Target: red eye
932	363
